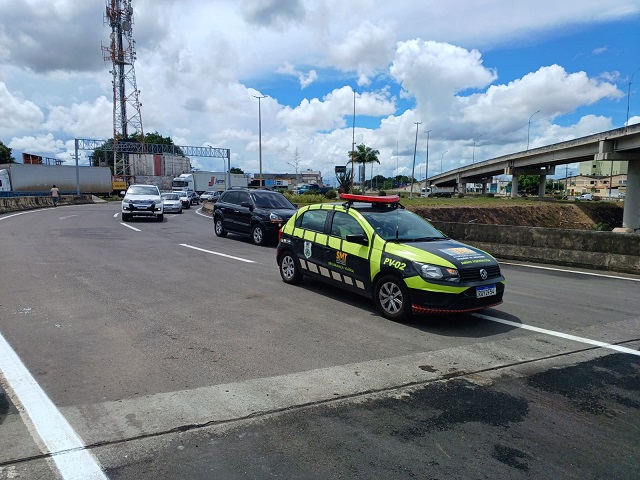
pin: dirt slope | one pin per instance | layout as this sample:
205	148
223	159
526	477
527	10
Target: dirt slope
581	216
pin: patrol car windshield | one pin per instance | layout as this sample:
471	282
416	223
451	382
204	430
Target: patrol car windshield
401	225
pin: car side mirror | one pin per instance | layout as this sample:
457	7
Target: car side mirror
358	238
247	205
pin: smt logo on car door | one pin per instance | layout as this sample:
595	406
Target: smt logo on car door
348	261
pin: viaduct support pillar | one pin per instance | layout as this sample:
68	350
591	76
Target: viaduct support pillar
514	186
631	214
542	185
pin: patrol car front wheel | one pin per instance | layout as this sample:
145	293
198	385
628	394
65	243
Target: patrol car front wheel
392	298
290	269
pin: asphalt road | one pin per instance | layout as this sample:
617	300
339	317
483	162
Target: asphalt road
157	350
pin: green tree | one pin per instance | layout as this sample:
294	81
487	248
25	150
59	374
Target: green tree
5	154
344	181
529	183
364	155
236	170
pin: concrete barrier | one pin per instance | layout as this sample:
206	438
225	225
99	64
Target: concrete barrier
16	204
616	252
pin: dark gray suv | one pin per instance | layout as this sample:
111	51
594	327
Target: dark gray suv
257	213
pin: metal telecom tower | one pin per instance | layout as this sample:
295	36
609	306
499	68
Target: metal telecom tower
121	52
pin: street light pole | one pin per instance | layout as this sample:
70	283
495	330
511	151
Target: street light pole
441	157
529	128
413	169
426	167
626	124
260	133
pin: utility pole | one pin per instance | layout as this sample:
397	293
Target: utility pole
415	147
426	167
260	133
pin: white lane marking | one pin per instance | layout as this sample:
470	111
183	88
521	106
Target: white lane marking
199	212
217	253
66	447
68	216
570	271
129	226
115	215
21	213
560	334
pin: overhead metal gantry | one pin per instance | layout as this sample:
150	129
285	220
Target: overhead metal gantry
152	148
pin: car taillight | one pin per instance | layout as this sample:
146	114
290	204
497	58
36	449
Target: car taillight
279	234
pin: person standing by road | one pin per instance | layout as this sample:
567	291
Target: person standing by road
55	195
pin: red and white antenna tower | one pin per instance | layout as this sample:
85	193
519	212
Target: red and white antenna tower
127	119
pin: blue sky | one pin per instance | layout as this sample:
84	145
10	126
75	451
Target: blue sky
469	71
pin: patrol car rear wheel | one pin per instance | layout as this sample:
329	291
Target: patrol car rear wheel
289	268
392	298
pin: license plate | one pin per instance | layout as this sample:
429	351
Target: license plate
486	291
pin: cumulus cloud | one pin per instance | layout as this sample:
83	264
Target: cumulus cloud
305	79
46	36
365	49
16	113
273	13
332	110
82	120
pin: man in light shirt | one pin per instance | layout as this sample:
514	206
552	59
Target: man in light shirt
55	195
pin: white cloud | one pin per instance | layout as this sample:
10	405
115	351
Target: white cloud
17	114
305	79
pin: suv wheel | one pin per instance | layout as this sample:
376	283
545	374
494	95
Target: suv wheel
392	298
289	268
218	227
126	217
258	235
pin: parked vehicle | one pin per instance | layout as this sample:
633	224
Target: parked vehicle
142	200
435	191
372	246
313	188
586	196
194	198
203	181
171	202
18	179
258	213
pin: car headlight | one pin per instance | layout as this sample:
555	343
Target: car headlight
275	217
126	200
435	272
158	202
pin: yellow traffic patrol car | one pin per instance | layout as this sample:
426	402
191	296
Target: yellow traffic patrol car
373	246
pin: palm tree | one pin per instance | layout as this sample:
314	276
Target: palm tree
364	155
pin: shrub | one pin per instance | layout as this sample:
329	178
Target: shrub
460	195
382	193
331	194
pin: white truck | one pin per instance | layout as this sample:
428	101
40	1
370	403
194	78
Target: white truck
200	182
435	191
19	179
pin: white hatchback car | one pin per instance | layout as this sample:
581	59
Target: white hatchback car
142	200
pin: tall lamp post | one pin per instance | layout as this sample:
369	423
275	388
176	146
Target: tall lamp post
260	133
426	167
626	124
413	169
529	128
473	155
441	157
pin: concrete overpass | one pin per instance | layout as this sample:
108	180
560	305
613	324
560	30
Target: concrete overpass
622	144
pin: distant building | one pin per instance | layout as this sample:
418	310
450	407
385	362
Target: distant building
286	180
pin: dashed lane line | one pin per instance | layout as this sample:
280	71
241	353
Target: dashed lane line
217	253
559	334
66	448
129	226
